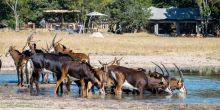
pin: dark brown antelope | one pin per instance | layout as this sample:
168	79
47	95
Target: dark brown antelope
82	71
30	43
132	79
20	63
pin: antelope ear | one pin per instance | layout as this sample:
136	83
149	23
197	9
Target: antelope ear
71	51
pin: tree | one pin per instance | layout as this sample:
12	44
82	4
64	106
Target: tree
13	5
127	15
205	14
215	13
176	3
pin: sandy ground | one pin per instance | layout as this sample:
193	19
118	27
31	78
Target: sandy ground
11	100
183	61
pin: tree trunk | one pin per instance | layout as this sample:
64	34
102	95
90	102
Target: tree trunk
17	23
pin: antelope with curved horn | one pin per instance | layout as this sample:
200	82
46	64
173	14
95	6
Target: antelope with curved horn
106	82
60	48
26	46
175	83
180	84
132	79
30	43
20	62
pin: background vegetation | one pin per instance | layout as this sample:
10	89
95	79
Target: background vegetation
131	15
116	44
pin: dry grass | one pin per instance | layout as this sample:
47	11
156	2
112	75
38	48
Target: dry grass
126	44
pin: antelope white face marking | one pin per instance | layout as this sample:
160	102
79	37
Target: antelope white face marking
182	89
52	50
127	85
168	90
27	48
181	95
112	74
101	91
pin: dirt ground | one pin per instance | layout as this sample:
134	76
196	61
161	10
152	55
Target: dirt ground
183	61
12	100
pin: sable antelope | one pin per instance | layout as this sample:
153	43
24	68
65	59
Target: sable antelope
82	71
99	72
128	78
60	48
20	63
173	82
176	84
26	51
49	61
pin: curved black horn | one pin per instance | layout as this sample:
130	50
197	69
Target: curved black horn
47	46
159	67
30	37
180	72
168	73
53	40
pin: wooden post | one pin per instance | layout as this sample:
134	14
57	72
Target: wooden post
156	28
177	28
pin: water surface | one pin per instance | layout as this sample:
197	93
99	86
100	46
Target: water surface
200	89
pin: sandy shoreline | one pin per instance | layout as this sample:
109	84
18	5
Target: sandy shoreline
45	103
183	61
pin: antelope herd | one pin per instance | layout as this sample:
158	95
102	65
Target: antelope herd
68	66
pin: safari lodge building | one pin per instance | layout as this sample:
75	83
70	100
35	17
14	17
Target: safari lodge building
175	21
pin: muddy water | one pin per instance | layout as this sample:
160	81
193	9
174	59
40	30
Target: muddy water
200	89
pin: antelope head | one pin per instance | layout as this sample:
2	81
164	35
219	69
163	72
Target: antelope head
55	45
105	70
11	48
163	78
180	82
